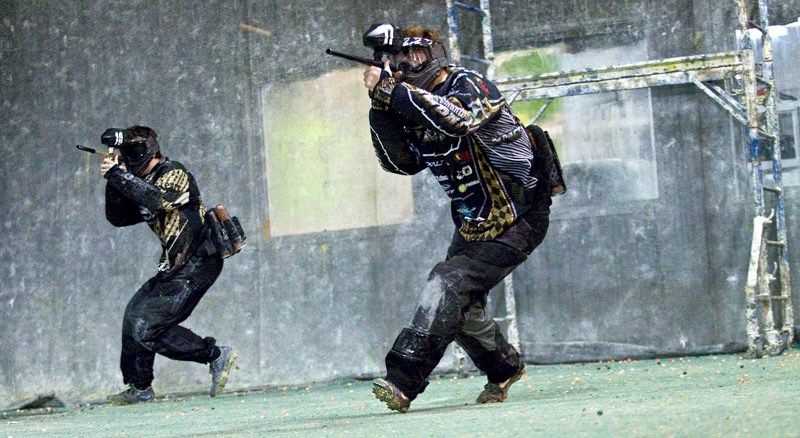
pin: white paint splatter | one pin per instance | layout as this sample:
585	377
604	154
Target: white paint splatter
428	304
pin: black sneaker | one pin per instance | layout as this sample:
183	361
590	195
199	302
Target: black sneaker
132	396
220	368
386	392
498	392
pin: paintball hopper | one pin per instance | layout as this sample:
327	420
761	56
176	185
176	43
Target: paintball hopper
113	137
383	38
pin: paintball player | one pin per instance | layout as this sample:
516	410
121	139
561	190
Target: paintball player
148	187
429	114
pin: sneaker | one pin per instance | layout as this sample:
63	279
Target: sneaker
386	392
132	396
220	368
498	392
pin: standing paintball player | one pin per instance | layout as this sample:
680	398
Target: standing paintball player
148	187
428	114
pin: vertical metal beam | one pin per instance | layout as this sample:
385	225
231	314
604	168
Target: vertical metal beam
459	355
773	342
773	129
452	32
750	87
488	41
488	59
754	344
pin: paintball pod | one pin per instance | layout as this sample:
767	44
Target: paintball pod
224	233
384	39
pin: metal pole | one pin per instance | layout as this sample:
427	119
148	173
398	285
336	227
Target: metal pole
488	42
773	129
452	32
754	344
750	91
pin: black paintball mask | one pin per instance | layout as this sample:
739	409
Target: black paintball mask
419	60
137	152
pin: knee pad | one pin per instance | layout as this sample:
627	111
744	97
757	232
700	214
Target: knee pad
141	333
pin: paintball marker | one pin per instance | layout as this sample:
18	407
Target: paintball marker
385	41
365	61
108	154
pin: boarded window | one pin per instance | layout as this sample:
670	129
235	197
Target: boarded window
322	173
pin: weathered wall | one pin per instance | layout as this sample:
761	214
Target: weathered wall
655	277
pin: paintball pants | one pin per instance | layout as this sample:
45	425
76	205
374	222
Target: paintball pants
152	318
452	308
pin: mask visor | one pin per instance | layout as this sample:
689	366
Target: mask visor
133	152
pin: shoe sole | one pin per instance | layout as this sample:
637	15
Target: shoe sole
127	403
385	394
504	396
115	400
223	377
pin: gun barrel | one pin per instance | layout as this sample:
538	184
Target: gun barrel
92	151
365	61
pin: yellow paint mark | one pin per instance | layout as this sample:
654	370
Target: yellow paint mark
265	229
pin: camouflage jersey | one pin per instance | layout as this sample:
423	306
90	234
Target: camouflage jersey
167	199
466	134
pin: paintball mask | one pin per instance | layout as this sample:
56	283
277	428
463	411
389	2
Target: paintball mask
136	152
419	60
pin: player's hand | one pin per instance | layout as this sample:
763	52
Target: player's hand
107	164
373	75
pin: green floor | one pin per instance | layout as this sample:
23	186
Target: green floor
724	396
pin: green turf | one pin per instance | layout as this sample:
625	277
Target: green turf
724	396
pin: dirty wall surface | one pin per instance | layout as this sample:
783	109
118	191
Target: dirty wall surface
660	274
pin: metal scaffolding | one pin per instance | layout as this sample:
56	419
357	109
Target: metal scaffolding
740	84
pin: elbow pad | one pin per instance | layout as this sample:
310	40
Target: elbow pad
135	189
382	93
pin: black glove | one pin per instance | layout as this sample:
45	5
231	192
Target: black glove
112	137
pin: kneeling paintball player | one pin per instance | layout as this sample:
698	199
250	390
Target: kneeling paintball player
148	187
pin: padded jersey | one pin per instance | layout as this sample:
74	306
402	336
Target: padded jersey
167	199
466	134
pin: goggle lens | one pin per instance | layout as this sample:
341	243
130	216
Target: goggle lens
134	151
411	58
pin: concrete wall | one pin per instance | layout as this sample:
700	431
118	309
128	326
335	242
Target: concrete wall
652	277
